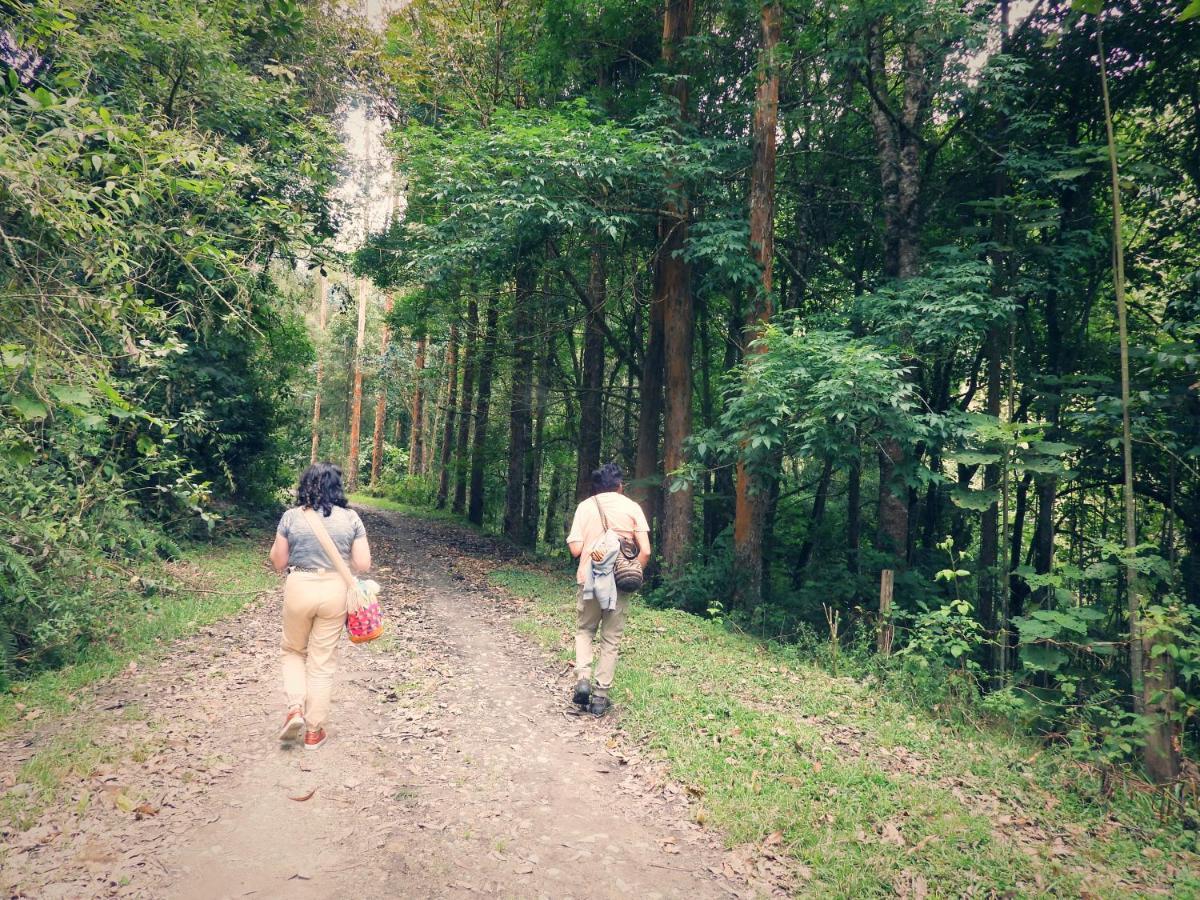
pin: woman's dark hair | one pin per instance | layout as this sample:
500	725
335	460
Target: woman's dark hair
607	478
321	488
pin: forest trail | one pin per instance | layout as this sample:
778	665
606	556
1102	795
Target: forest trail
452	770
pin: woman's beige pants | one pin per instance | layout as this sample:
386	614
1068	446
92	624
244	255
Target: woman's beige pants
314	614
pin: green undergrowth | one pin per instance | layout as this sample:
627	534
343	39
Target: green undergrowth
209	582
869	795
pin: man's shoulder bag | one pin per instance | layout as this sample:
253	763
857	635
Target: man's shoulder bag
627	570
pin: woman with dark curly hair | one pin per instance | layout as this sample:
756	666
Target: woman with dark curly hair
314	597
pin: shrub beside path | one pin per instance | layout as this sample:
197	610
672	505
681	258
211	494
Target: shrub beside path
452	770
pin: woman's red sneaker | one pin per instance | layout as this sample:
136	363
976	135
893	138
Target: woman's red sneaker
293	725
314	739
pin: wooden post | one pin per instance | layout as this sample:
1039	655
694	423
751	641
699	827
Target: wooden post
886	629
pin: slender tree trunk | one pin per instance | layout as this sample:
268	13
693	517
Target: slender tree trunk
647	487
552	536
723	477
675	291
416	437
898	143
520	407
853	516
322	314
1150	674
487	362
820	498
433	428
752	489
380	400
533	466
591	390
463	443
989	526
356	394
443	491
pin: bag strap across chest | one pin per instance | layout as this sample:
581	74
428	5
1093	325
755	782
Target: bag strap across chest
318	529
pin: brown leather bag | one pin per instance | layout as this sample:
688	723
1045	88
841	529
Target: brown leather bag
627	570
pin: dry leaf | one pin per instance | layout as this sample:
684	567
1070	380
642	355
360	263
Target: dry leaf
923	843
302	798
891	834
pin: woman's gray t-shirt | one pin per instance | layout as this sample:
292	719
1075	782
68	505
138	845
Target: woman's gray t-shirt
305	550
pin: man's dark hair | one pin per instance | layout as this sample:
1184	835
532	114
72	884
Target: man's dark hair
321	488
607	478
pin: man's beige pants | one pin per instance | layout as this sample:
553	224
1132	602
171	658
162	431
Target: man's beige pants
314	614
611	622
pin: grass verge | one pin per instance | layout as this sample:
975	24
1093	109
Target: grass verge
207	584
869	796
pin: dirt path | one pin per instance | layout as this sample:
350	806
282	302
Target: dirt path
452	770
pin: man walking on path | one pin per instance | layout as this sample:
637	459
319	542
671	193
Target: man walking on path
598	604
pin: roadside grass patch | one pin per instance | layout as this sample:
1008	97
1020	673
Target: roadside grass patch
869	795
208	583
66	757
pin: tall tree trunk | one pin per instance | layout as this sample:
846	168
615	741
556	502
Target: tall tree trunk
989	526
533	465
416	437
853	516
443	491
380	399
752	490
322	314
462	444
356	392
647	487
551	536
723	478
1150	674
591	389
674	288
898	144
820	498
487	362
520	428
433	428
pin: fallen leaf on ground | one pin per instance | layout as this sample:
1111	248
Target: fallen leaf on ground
304	797
923	843
891	834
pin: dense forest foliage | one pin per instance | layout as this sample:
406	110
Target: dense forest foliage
845	288
164	167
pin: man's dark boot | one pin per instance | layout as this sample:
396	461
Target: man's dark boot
598	706
583	693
